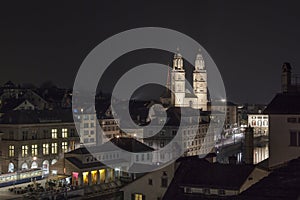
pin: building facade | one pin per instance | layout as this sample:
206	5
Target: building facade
31	140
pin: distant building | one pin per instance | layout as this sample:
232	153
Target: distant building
259	123
35	139
193	138
228	108
284	121
87	166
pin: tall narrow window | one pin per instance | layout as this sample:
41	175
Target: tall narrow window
293	138
34	150
64	147
45	149
24	150
11	151
54	133
64	133
54	148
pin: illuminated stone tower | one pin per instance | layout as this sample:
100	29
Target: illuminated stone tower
200	83
178	81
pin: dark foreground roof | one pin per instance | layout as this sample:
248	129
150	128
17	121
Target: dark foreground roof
202	174
284	103
282	183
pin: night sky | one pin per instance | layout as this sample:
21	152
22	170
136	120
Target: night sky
248	40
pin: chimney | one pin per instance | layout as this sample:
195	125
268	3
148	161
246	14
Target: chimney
286	77
248	146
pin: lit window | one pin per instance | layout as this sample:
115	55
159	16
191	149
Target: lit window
24	150
64	133
138	197
34	150
54	148
54	133
64	147
11	151
45	149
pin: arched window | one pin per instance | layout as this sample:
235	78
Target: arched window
45	167
34	165
11	167
24	166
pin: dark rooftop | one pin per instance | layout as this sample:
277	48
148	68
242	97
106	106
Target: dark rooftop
37	116
284	103
282	183
196	172
127	144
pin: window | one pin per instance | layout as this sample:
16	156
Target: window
164	182
221	192
138	197
34	150
11	151
64	147
64	133
174	132
143	157
45	149
72	132
293	138
54	133
54	148
150	181
292	120
137	157
24	150
85	125
25	135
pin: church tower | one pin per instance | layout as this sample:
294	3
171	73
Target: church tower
178	81
286	77
200	83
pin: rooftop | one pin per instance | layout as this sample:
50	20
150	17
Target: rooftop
284	103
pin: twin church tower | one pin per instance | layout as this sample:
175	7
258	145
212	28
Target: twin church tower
182	97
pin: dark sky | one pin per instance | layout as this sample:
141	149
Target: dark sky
248	40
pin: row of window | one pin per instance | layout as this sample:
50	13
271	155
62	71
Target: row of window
35	150
53	134
142	157
293	120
